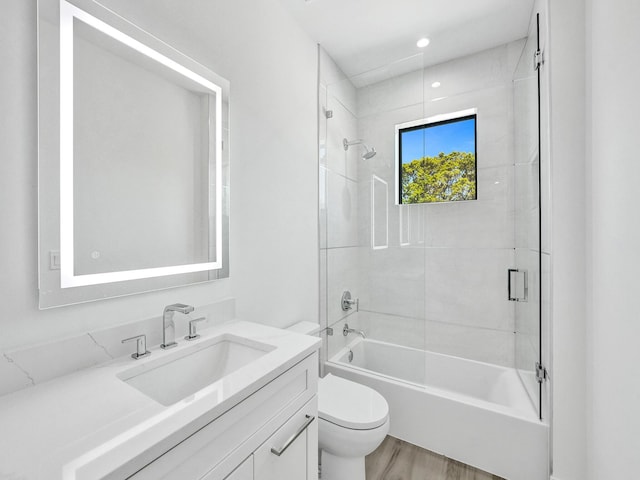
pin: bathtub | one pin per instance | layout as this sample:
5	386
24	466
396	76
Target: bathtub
470	411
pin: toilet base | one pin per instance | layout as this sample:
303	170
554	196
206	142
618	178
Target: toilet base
341	468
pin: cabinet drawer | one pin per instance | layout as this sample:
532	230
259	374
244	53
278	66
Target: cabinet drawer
233	436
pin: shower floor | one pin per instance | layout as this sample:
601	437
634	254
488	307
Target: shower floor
396	459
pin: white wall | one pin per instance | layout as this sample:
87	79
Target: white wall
613	350
565	60
271	65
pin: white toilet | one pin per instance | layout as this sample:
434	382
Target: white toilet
353	421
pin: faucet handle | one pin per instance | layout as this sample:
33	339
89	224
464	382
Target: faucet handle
347	303
192	328
141	346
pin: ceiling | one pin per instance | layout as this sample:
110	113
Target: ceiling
361	35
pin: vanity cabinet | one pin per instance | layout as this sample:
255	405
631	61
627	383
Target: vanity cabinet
238	444
244	471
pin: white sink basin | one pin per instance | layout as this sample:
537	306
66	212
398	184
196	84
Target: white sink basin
182	373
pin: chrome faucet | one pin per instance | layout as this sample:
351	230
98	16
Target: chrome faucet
168	327
141	346
346	331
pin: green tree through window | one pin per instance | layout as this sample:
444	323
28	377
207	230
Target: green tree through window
444	178
438	158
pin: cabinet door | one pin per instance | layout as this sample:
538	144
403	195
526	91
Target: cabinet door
243	472
283	457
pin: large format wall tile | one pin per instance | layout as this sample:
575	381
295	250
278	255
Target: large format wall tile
342	211
527	210
480	344
392	281
546	307
494	121
525	92
405	331
323	289
526	357
323	174
343	92
342	275
468	287
483	223
379	131
342	124
487	69
322	126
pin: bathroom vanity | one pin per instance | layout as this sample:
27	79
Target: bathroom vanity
248	411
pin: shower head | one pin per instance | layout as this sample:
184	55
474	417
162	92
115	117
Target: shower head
368	153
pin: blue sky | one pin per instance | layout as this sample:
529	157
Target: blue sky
447	138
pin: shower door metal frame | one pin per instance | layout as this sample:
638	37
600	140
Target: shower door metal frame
541	371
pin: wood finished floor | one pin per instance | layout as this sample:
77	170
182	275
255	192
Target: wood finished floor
398	460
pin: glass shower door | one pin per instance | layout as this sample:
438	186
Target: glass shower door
525	279
371	247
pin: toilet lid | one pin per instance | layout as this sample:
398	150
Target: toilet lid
350	404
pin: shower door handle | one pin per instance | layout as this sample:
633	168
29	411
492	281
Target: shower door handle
517	285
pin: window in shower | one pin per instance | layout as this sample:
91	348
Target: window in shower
436	159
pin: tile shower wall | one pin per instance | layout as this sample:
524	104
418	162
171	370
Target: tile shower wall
438	277
445	264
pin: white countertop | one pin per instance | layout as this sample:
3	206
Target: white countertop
84	425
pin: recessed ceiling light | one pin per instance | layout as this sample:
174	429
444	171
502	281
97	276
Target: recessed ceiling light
435	84
423	42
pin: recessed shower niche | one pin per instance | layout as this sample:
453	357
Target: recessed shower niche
133	159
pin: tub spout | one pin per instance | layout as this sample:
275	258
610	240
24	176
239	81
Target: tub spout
346	331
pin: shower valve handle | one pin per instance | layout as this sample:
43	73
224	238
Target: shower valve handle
347	303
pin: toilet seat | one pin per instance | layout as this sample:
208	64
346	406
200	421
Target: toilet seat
350	405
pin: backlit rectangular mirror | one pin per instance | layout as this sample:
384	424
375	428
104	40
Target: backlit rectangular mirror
133	161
